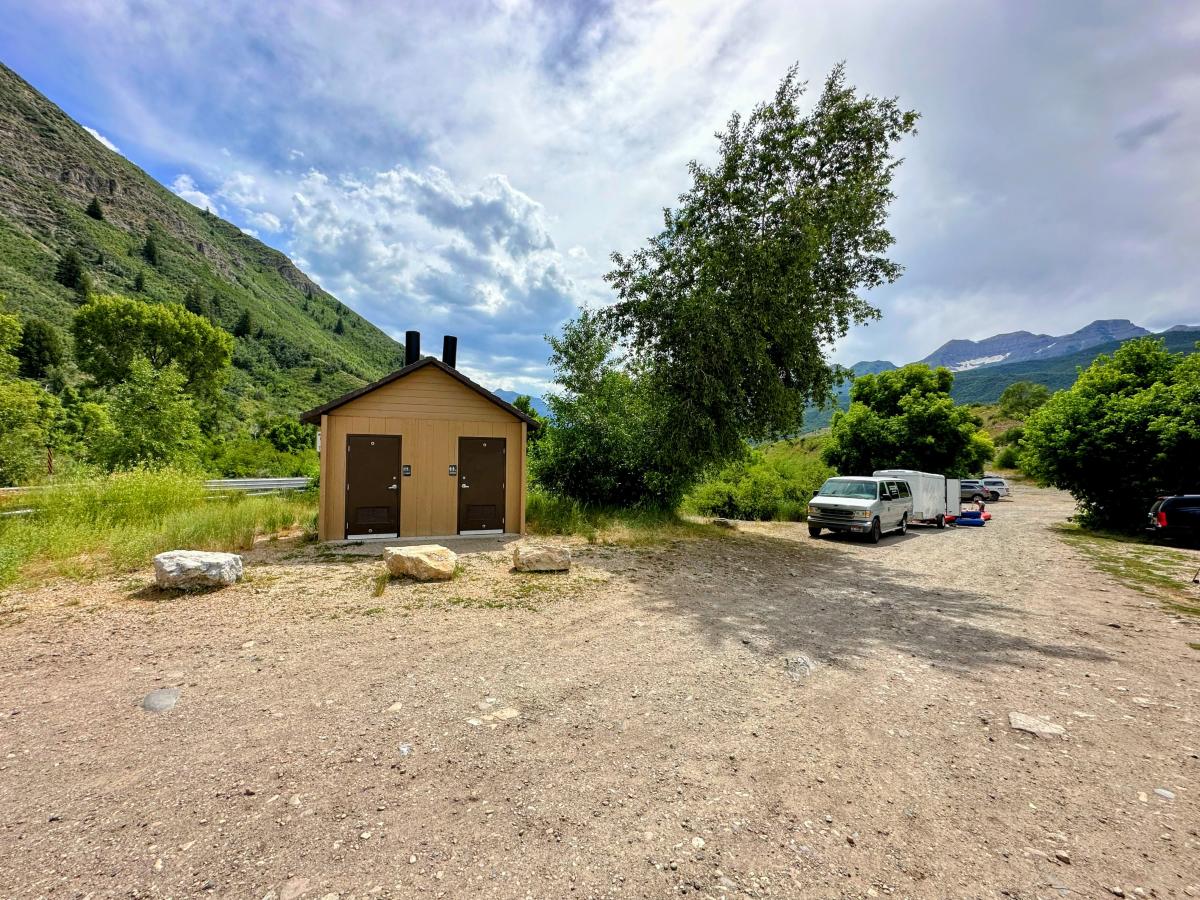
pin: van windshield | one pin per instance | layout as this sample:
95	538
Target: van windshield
861	490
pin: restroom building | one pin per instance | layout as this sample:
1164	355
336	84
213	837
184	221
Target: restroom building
422	452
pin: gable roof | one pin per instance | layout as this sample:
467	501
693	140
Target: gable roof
313	416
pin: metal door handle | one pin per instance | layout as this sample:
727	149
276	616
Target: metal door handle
392	487
464	485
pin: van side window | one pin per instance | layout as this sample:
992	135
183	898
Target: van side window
895	491
904	493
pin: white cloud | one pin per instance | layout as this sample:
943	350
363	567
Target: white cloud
413	249
241	189
102	139
185	186
267	221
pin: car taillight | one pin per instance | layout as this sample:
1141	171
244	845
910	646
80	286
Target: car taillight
1161	518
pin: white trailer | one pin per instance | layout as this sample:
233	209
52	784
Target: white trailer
934	496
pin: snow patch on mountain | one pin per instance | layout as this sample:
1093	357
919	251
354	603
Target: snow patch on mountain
968	364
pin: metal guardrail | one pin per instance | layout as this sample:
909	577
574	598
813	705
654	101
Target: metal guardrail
258	485
252	486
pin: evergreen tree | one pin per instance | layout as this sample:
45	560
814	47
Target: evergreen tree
150	251
245	324
340	327
70	270
193	301
41	348
139	281
84	289
95	210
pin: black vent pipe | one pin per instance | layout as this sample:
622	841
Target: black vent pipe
412	347
450	350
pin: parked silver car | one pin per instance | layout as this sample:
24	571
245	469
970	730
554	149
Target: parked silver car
867	506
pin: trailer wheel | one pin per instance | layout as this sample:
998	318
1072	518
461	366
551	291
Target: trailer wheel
941	521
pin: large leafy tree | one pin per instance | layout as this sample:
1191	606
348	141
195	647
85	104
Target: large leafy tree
728	311
1126	431
152	421
604	445
111	332
905	419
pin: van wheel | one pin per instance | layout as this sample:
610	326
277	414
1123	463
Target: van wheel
814	531
941	521
975	498
904	524
875	533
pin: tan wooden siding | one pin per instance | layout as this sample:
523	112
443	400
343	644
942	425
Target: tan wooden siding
429	436
426	394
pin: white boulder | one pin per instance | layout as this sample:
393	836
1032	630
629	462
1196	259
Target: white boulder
541	557
193	569
424	562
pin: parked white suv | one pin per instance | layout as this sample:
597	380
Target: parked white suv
997	485
868	506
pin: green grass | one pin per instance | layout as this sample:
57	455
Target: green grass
117	523
1149	569
549	514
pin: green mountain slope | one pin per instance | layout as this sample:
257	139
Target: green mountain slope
292	356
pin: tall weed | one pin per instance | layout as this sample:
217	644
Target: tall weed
118	522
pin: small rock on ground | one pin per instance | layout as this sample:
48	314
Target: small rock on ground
160	700
1035	725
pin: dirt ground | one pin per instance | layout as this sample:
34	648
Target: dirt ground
754	714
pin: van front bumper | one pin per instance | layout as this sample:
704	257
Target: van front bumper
840	524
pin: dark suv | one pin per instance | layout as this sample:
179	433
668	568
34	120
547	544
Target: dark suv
974	489
1175	517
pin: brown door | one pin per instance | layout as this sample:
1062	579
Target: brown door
480	485
372	485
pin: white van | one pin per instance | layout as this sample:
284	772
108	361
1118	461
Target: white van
868	506
934	496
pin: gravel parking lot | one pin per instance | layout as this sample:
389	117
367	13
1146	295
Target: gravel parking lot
752	714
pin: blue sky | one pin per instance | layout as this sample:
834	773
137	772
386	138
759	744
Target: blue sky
469	167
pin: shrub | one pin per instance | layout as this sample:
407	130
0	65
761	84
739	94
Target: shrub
775	483
1010	436
1008	458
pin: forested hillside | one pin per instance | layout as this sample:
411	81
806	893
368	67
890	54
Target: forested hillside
77	218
